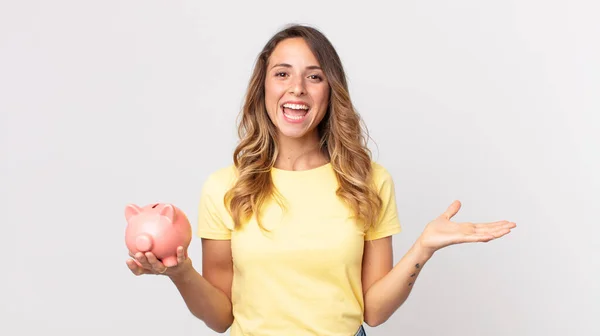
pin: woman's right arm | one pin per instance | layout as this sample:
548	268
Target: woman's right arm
208	296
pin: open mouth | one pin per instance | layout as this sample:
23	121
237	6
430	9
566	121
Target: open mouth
295	112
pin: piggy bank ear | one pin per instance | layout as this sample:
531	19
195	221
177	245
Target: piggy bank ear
169	212
131	210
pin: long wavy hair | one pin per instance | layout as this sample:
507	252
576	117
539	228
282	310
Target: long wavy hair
343	138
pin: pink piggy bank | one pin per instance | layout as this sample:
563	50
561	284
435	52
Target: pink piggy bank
158	228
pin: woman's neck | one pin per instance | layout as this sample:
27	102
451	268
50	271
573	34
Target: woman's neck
300	153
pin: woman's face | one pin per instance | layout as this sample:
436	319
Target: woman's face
296	90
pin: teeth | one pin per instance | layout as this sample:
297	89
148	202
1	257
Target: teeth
293	117
296	106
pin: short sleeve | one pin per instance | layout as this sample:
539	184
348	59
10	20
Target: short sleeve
214	222
388	223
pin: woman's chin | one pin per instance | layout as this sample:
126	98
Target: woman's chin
296	129
295	133
292	134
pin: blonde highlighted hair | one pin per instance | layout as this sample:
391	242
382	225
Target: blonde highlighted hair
343	139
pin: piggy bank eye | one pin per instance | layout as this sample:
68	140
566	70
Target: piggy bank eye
155	205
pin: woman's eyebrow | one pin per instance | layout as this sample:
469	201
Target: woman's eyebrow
310	67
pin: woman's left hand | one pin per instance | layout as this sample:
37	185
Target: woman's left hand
442	232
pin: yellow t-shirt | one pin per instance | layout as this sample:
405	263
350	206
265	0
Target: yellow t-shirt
303	278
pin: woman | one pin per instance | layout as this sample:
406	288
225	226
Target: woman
296	234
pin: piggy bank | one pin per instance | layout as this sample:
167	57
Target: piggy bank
158	228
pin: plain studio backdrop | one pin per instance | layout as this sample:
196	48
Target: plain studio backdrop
112	102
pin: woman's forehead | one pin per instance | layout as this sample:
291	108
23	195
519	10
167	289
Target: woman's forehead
293	52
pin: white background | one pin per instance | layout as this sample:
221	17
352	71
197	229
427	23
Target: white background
494	103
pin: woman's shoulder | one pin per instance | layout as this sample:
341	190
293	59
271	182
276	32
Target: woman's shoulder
226	172
221	179
379	170
381	176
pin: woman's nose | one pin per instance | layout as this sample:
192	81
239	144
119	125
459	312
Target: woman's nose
297	86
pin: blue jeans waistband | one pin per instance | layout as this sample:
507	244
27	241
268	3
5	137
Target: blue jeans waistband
361	332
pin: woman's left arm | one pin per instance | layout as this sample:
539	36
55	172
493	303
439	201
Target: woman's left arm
385	288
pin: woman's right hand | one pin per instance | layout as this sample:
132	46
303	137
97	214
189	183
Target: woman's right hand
147	263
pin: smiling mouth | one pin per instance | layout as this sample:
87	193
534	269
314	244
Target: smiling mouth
295	112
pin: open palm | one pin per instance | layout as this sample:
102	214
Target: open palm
442	232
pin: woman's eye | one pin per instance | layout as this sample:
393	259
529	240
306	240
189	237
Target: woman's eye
285	74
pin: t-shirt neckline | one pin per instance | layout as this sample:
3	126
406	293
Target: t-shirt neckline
303	171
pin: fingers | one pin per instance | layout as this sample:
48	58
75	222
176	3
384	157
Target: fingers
487	233
479	238
134	267
181	255
148	263
452	210
155	264
141	258
493	226
500	232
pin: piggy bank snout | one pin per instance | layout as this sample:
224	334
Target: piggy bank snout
143	242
